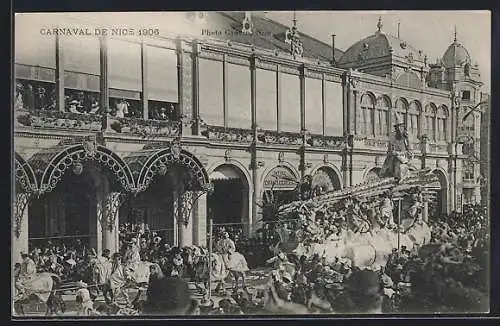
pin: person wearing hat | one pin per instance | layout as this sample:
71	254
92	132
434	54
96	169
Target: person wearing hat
28	267
132	253
398	152
364	291
169	297
386	210
83	299
19	103
118	278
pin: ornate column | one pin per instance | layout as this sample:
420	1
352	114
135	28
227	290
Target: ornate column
20	226
60	100
144	76
108	212
104	88
184	218
200	220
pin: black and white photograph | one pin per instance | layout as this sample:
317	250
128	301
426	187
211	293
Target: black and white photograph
260	163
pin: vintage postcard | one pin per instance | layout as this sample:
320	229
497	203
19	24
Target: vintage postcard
251	163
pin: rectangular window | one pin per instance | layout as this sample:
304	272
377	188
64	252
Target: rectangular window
239	113
267	100
381	123
162	79
81	54
211	90
124	65
334	112
414	125
466	95
290	103
30	46
314	106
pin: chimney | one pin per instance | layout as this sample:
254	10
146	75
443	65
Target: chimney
333	50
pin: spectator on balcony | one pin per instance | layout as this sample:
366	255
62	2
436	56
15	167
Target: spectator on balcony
19	104
41	98
94	104
29	99
121	108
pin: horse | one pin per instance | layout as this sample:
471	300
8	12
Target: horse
131	276
43	287
219	269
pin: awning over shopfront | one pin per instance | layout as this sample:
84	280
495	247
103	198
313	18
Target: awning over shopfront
224	173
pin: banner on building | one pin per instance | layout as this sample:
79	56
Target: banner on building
280	178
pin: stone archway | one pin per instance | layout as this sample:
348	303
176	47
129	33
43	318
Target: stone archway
81	187
170	181
440	188
372	175
230	200
326	179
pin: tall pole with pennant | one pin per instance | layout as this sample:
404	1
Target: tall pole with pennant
399	225
210	241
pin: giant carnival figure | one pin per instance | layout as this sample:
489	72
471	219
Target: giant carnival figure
399	152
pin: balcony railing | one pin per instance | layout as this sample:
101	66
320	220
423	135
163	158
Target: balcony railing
283	138
53	119
58	120
334	142
144	128
227	134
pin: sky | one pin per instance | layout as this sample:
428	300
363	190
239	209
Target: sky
429	31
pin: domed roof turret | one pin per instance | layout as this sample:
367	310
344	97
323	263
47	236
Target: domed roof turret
379	45
456	55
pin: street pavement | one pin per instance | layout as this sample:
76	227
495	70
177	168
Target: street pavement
255	280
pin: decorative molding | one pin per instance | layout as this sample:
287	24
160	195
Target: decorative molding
228	155
285	138
204	54
187	84
261	64
148	129
332	142
313	74
227	134
22	201
290	70
245	61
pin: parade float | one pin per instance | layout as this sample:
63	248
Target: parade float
366	222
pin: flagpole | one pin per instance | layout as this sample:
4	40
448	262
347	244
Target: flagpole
210	226
399	225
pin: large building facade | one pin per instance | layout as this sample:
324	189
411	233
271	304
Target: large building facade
174	131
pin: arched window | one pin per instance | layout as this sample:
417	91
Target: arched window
413	119
441	123
382	116
467	70
367	115
430	121
402	110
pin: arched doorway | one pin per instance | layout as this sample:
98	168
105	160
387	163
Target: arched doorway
279	188
438	190
325	179
229	202
169	182
74	176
